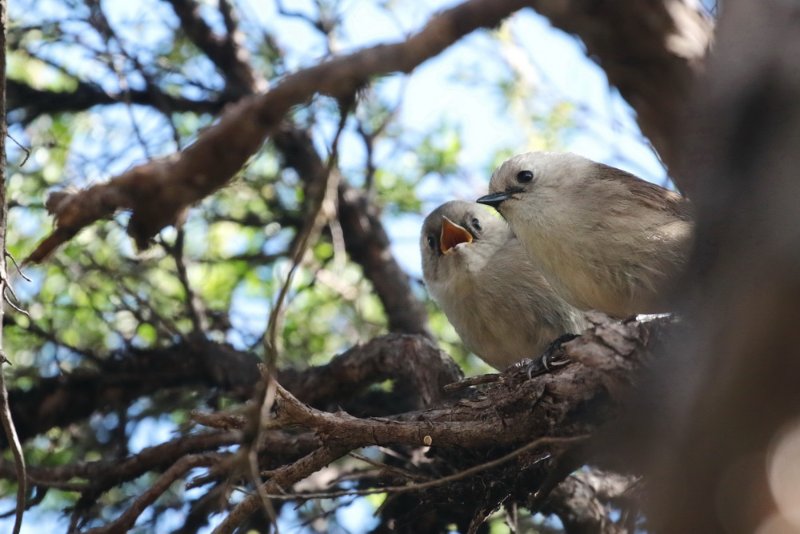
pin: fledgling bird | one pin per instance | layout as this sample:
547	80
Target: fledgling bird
605	239
480	275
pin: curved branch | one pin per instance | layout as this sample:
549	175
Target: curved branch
127	519
509	412
227	53
583	500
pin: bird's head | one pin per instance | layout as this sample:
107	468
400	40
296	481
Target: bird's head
459	237
534	178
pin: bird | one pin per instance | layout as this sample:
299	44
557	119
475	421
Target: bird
605	239
477	271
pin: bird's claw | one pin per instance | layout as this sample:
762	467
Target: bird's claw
548	361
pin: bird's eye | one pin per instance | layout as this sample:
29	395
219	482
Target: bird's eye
524	176
431	242
476	224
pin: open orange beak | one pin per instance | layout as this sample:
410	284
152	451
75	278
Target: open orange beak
452	235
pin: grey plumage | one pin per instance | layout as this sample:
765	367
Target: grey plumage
480	275
605	239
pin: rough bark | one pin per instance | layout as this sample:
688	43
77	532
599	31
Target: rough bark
560	409
584	499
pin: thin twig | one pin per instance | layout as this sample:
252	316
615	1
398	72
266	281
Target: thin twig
194	305
315	219
17	266
8	300
252	450
23	148
16	446
386	467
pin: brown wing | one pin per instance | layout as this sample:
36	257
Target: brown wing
651	195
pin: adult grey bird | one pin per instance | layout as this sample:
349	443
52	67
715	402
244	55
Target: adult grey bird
480	275
605	239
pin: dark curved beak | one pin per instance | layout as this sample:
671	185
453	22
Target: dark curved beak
495	199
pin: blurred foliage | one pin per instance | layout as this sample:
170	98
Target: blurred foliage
98	295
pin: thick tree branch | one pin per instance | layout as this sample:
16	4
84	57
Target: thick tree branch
512	411
650	50
365	237
414	359
584	499
420	368
507	413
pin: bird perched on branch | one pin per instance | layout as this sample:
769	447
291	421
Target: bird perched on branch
480	275
605	239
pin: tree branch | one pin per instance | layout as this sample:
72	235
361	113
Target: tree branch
227	53
651	51
158	191
365	238
101	475
502	416
33	103
584	499
127	519
514	410
419	366
8	425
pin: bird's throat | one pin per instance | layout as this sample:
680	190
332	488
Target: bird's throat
452	235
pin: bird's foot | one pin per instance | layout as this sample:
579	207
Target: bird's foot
549	360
